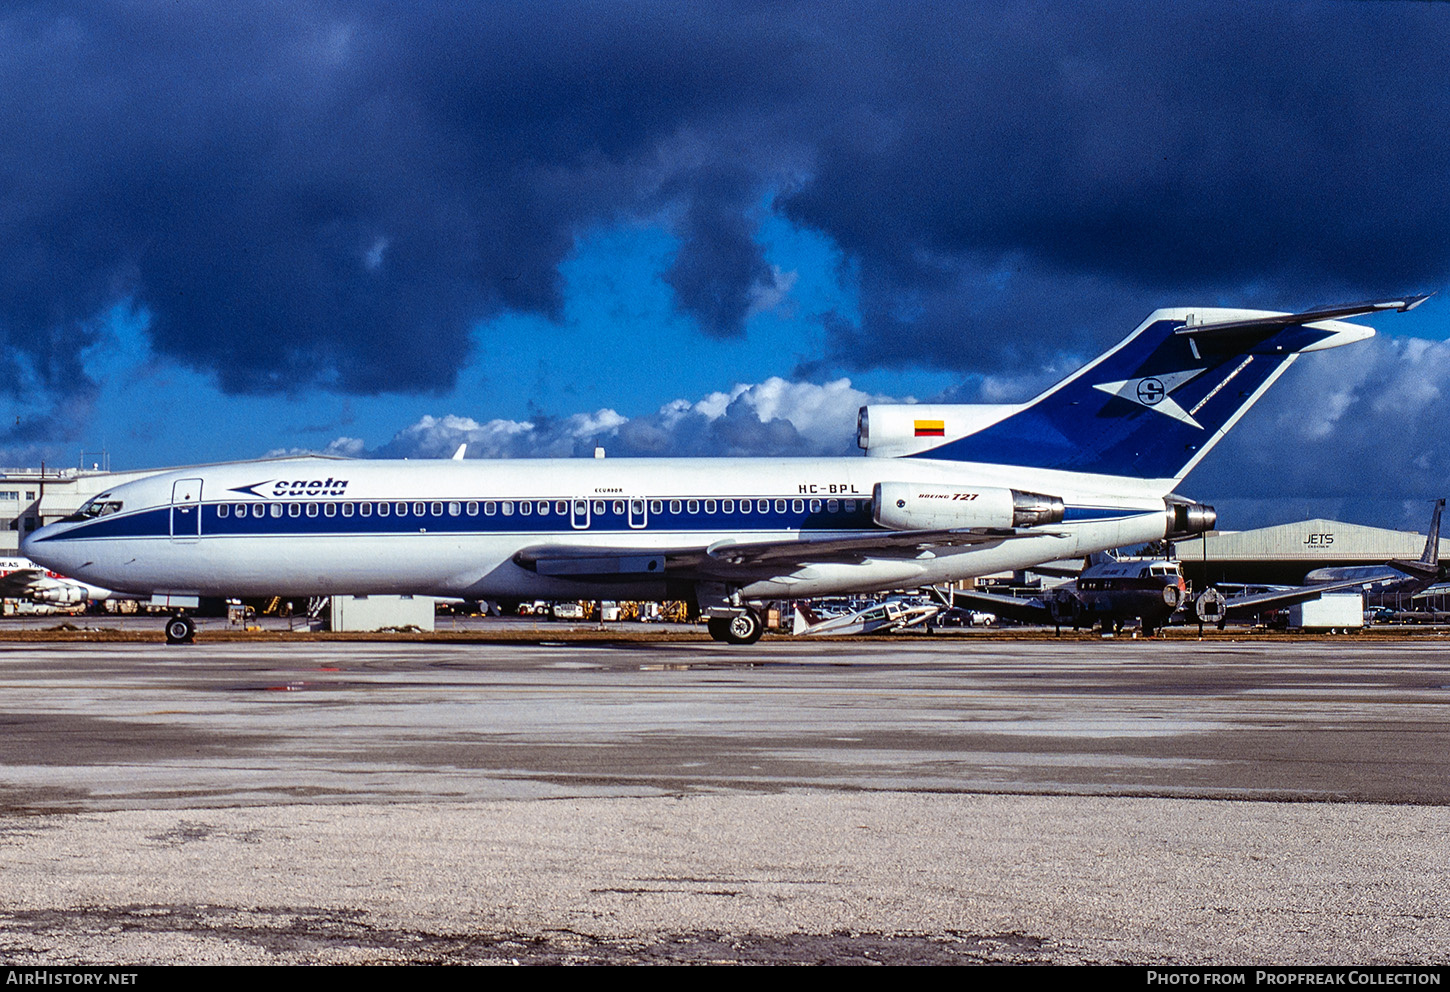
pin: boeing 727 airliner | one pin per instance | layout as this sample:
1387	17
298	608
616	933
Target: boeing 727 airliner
952	492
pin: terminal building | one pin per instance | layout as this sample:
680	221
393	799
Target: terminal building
30	498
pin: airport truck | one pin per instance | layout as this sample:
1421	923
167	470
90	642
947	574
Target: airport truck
1334	611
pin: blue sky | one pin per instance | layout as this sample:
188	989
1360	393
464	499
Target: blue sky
380	228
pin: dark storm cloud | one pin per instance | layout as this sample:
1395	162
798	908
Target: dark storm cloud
332	193
1141	155
719	260
304	194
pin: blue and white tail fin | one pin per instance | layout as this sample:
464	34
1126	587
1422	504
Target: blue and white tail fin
1150	408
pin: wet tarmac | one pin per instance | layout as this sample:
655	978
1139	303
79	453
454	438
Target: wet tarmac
912	801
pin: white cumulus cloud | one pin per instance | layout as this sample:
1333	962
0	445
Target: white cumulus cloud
774	417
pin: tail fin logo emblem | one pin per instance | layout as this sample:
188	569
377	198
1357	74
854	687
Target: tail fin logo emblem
1152	392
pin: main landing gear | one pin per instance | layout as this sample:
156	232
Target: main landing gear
743	628
180	629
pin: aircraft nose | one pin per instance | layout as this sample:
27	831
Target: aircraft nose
38	549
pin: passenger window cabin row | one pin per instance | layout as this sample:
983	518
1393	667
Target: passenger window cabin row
543	507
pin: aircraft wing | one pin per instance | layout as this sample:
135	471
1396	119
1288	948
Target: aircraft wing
726	559
1022	610
875	544
1239	607
18	582
917	619
1059	569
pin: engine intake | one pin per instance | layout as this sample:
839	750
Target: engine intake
917	506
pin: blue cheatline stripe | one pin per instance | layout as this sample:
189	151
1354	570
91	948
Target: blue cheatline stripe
1081	514
143	523
156	522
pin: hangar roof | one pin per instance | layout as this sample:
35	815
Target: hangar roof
1329	541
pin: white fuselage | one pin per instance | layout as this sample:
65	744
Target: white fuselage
453	528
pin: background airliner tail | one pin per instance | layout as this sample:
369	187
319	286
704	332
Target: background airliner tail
1428	567
1151	407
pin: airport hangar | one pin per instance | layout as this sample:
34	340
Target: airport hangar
1284	554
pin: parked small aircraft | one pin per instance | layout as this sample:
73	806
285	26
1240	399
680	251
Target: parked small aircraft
884	618
1107	591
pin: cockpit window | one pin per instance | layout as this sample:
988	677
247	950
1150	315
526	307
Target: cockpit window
97	506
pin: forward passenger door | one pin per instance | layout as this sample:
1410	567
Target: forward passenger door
186	510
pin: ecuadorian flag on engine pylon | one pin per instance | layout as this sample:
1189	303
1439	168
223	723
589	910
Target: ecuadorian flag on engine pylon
931	428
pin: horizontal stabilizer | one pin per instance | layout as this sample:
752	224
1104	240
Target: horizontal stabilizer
1306	317
1415	569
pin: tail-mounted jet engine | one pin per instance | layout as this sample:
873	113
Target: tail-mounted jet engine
1186	518
915	506
891	430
